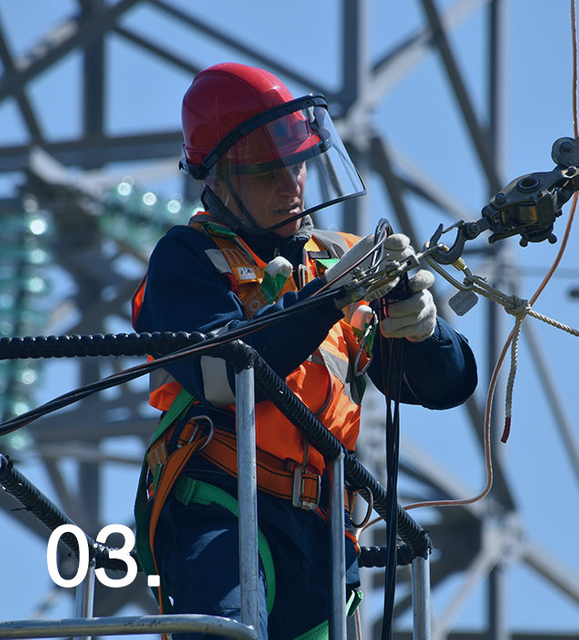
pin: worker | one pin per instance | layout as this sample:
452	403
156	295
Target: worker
267	162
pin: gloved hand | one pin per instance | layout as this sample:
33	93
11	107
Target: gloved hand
396	247
415	317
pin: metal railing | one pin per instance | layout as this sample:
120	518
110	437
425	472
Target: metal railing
252	372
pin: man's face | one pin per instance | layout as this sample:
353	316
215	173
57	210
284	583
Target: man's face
269	197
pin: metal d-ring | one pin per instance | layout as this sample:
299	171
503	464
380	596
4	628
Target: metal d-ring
368	515
209	435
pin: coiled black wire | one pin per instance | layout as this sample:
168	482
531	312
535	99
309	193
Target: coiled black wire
51	516
73	346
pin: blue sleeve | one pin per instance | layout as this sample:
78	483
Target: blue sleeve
184	292
438	373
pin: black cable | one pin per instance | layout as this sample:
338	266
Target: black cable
275	389
130	344
392	454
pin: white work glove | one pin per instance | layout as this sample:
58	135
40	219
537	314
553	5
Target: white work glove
396	247
413	318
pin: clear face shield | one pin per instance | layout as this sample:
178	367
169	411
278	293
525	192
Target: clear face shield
282	165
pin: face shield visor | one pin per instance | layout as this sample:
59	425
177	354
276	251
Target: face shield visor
281	165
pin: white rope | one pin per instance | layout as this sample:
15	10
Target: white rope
513	304
519	308
554	323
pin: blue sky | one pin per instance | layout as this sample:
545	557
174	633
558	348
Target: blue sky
420	119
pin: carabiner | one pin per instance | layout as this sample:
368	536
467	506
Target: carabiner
452	254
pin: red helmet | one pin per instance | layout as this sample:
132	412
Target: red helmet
230	101
243	121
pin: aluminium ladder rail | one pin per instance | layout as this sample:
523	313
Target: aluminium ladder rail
247	362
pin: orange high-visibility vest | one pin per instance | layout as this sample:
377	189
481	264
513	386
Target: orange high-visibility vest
324	382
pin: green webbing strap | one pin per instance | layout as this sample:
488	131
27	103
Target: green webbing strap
353	602
188	490
321	632
219	229
182	402
326	262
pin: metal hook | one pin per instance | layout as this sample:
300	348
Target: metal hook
438	253
447	255
465	231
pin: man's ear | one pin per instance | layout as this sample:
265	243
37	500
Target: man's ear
219	188
217	185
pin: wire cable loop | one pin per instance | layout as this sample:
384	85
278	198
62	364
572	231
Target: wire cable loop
359	526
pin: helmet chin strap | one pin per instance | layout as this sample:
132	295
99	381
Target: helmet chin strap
219	210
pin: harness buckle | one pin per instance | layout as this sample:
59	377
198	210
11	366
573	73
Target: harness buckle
307	488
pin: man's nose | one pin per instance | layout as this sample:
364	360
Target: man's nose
288	181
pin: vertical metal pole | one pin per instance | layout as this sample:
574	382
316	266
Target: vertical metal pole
498	628
84	596
496	83
421	598
337	550
93	81
247	494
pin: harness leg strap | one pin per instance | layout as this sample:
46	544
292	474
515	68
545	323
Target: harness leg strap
188	490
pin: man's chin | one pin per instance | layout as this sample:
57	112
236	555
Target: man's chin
289	229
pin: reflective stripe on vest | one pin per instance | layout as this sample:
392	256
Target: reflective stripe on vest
163	387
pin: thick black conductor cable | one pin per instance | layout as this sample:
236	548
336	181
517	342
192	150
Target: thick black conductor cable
44	510
392	455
